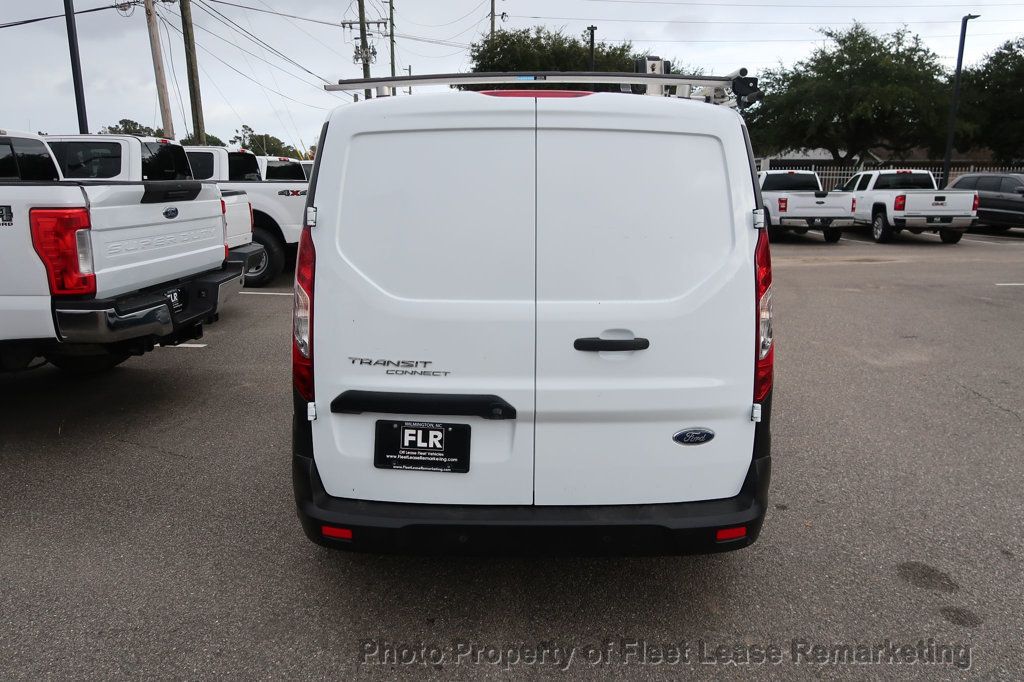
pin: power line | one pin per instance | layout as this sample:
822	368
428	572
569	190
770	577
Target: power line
779	23
224	19
22	22
698	3
779	40
248	78
251	54
453	21
275	12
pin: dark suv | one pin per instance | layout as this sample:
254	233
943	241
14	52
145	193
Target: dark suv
1001	194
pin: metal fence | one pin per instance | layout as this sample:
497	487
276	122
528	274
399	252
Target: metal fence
834	174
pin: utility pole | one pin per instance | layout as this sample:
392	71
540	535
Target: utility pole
592	29
492	17
409	69
364	49
391	19
158	71
195	96
76	66
951	126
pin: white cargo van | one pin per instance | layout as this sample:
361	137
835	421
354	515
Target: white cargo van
520	340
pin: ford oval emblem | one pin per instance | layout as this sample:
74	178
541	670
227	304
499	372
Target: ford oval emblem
694	436
170	212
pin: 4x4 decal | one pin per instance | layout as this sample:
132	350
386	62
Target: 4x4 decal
6	216
292	193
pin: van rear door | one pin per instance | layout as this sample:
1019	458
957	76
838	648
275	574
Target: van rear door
644	231
423	313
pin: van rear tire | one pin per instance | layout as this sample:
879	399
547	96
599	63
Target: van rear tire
271	264
950	236
832	234
86	364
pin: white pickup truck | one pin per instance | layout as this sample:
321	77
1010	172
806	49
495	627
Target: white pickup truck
795	201
95	271
891	201
129	158
278	205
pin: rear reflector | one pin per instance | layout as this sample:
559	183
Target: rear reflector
336	533
61	238
725	534
536	93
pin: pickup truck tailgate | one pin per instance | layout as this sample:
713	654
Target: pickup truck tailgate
833	205
939	203
151	233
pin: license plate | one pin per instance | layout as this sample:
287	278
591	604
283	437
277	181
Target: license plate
176	299
421	446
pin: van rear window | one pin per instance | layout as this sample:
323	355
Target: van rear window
790	182
904	181
285	170
164	162
242	167
88	158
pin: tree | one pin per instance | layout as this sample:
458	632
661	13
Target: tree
212	140
991	93
860	91
126	126
540	49
262	143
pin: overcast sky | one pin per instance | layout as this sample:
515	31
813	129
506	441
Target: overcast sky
433	36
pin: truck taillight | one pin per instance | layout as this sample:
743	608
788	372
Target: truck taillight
302	317
764	357
853	205
61	238
783	205
977	202
252	219
900	203
224	225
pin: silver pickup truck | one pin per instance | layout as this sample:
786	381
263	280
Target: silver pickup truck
95	271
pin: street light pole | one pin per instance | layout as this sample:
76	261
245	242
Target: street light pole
951	126
592	30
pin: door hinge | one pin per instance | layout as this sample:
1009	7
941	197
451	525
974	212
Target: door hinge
311	411
755	412
759	218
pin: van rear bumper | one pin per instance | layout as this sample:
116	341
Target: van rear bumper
388	527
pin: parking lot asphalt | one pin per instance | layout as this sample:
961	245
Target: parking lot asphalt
147	526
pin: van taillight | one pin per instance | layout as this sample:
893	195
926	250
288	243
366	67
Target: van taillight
900	203
783	205
302	317
764	358
977	202
61	238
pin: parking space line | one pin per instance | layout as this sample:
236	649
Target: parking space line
267	293
1010	284
187	345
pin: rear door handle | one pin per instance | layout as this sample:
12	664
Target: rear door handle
593	343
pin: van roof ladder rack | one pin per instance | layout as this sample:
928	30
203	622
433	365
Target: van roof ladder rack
734	90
